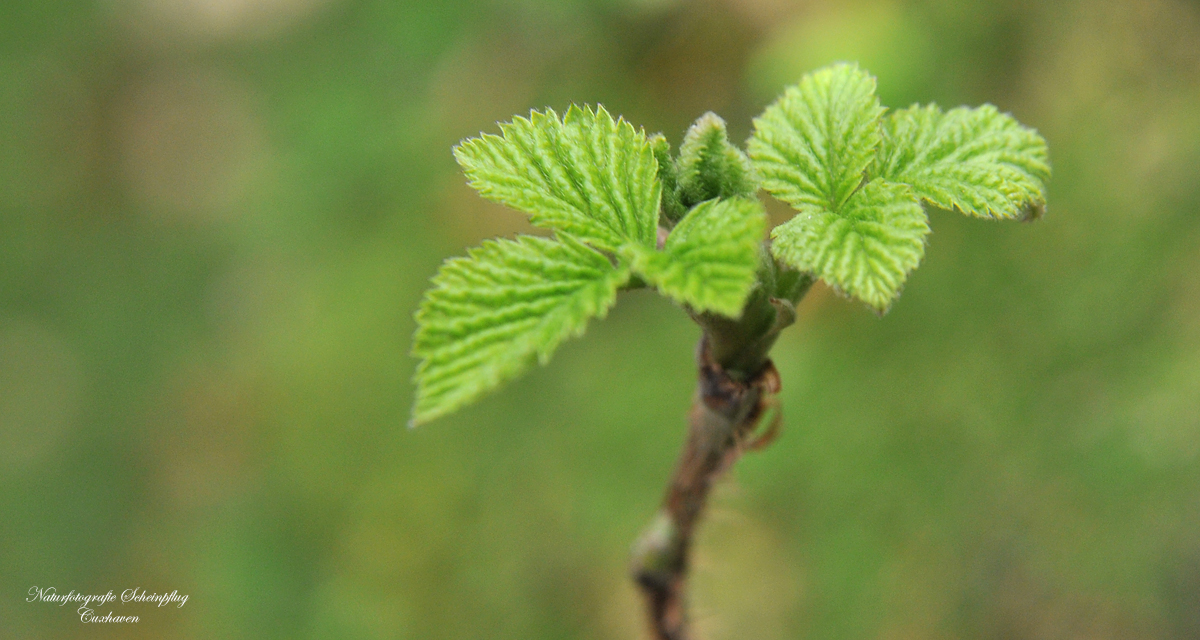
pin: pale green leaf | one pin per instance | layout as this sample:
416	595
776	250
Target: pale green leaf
672	208
813	145
978	161
709	166
587	174
865	250
710	260
489	316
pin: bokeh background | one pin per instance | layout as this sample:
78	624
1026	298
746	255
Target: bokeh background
217	217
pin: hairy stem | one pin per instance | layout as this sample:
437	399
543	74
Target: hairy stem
736	386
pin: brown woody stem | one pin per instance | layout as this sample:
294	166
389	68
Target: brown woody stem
736	386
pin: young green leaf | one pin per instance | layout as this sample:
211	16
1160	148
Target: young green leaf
587	174
672	208
709	166
710	260
813	145
490	315
866	249
977	161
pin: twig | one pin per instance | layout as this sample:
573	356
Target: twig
725	413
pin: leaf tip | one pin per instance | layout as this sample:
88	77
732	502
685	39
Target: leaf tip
419	414
882	307
1032	211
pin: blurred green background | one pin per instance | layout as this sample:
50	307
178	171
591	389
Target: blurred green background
217	217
